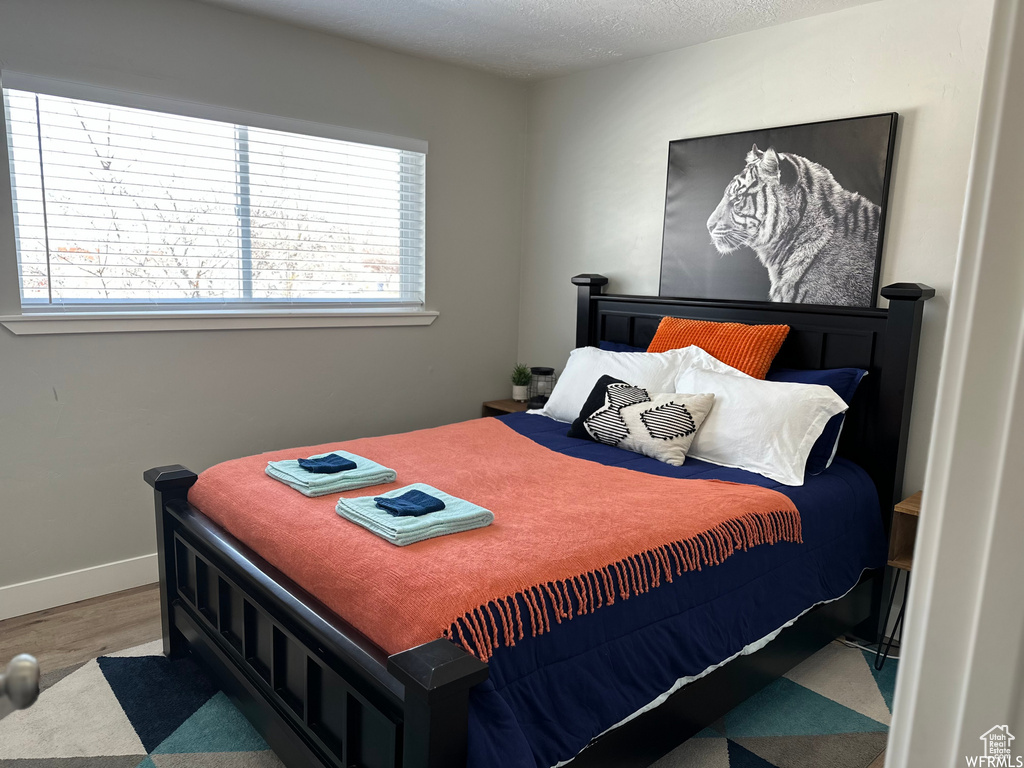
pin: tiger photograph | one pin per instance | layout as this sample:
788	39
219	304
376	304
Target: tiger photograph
789	214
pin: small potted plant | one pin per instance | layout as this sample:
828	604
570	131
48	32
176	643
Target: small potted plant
521	383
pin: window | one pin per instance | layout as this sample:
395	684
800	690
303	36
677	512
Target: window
118	207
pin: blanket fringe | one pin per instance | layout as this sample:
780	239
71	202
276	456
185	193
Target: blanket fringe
504	620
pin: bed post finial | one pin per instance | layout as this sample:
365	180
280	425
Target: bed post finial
588	286
169	483
437	677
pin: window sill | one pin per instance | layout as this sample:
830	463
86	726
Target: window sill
45	323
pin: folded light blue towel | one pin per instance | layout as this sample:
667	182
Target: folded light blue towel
458	515
365	474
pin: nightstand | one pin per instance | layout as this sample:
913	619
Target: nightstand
901	559
501	407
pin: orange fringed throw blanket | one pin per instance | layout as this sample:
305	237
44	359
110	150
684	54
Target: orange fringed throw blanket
569	535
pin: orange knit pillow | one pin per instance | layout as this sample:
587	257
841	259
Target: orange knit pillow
750	348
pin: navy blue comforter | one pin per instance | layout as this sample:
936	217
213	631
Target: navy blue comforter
550	695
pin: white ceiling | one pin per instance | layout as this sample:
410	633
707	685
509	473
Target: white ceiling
532	39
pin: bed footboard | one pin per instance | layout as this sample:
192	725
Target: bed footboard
318	690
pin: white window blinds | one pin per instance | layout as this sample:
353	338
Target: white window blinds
133	208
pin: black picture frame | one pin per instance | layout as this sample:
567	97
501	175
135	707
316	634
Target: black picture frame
798	213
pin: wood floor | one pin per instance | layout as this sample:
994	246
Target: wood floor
72	634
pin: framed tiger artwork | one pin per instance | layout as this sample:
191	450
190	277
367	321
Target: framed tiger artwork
792	214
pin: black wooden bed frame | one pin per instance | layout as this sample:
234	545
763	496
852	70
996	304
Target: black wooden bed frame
322	694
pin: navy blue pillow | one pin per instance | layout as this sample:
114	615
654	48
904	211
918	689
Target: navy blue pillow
614	346
844	382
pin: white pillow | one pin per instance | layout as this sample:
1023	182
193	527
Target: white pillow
698	358
768	427
654	371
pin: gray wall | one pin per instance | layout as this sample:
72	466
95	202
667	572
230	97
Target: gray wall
82	416
598	141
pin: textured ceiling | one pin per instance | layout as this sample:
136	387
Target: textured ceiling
533	39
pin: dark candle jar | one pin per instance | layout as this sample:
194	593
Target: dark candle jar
542	382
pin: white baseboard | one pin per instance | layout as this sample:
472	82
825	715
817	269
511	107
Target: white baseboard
64	588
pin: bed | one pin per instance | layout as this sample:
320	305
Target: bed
326	688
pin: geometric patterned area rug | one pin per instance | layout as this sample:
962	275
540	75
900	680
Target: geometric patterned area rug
831	711
136	709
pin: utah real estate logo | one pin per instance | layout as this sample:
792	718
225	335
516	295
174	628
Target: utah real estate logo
997	752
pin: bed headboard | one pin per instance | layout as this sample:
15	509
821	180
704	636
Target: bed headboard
882	341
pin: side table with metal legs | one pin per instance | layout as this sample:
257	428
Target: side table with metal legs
902	537
897	627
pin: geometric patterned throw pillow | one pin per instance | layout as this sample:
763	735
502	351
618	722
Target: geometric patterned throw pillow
605	424
595	401
663	427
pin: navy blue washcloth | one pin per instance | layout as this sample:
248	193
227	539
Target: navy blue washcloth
327	465
410	504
